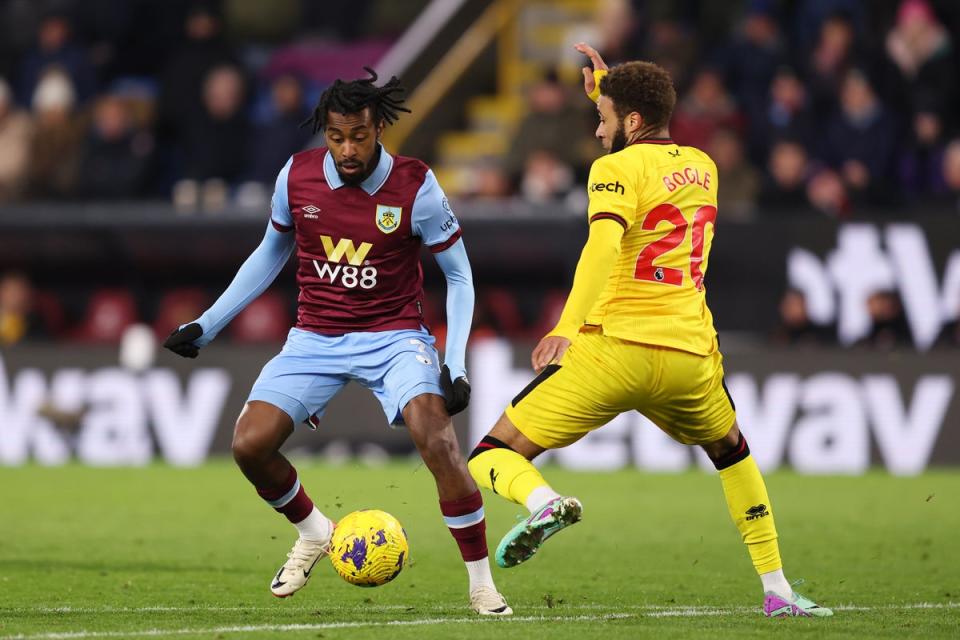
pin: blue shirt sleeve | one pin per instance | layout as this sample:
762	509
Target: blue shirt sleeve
252	279
280	204
432	217
460	298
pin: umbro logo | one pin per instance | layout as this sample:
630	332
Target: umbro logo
757	512
310	211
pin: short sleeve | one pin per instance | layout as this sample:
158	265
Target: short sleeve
280	214
612	190
432	217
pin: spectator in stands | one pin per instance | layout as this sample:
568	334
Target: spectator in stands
809	17
753	58
948	192
17	317
796	327
737	197
951	166
706	107
555	126
785	184
615	29
827	193
55	50
860	142
921	50
787	114
280	136
216	140
58	133
669	43
115	155
546	178
183	78
488	180
829	62
889	329
15	132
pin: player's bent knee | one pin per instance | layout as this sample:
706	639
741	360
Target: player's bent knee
426	413
247	446
258	433
723	455
505	435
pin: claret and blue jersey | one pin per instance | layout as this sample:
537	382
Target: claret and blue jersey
358	249
361	284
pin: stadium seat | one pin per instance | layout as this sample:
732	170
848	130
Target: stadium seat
49	309
552	307
266	319
502	310
108	313
177	307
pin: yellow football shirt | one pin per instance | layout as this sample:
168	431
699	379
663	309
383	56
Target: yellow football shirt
665	196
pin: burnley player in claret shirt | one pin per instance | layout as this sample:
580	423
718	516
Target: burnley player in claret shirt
356	217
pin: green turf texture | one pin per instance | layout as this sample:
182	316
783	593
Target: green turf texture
189	553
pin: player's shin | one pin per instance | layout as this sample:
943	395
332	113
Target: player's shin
497	467
750	509
465	519
292	501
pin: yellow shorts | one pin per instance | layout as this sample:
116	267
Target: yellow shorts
600	377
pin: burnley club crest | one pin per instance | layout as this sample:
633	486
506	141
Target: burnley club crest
388	218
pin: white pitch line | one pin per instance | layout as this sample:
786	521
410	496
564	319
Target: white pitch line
76	635
652	611
674	610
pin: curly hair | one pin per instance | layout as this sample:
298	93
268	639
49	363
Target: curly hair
643	87
356	95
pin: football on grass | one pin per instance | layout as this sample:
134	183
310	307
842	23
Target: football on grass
369	548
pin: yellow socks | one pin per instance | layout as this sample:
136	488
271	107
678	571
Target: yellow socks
504	471
749	507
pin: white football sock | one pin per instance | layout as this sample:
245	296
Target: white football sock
539	497
479	572
776	582
316	527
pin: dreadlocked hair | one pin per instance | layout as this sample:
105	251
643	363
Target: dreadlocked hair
353	97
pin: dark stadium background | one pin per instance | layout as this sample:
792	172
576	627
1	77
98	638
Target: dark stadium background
139	141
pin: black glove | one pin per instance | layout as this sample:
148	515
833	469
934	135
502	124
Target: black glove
180	341
456	392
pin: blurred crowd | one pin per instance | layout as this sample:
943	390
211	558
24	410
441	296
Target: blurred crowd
837	106
190	99
841	107
889	328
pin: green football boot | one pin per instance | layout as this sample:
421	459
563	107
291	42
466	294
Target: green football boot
527	536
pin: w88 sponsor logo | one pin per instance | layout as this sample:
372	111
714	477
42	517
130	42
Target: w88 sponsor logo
349	276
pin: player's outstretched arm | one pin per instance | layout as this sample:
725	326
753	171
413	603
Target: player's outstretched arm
591	77
593	270
460	298
252	279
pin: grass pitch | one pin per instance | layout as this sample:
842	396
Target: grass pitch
189	553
